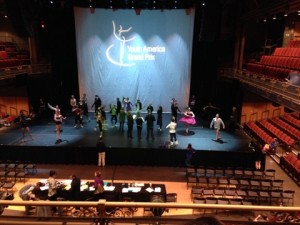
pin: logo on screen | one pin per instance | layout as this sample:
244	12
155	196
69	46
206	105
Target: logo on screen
125	54
121	36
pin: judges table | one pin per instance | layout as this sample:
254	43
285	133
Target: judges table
138	192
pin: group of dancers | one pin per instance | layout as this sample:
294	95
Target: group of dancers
122	111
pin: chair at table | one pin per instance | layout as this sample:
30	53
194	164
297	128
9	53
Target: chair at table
156	211
222	201
8	186
288	197
198	200
212	201
275	197
264	197
30	168
171	197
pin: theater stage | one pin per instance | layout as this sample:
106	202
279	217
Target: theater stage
78	145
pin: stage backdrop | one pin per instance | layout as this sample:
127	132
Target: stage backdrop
146	56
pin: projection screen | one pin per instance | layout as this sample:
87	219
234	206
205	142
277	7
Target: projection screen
145	56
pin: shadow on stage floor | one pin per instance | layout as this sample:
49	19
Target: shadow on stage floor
78	145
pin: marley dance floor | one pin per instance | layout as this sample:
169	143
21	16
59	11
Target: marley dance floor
78	144
200	136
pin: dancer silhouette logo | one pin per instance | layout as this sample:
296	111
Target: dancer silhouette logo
129	54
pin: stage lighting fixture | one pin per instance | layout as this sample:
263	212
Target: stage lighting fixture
274	17
265	20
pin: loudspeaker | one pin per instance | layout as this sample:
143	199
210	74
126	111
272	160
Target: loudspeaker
21	80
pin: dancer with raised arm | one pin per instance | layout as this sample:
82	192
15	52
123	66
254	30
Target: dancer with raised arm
58	119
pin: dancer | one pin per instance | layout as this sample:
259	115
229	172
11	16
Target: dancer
216	123
56	108
149	118
99	121
188	119
119	106
128	105
174	109
122	116
58	119
24	125
97	103
73	102
138	105
113	114
85	108
139	124
192	102
150	108
78	112
172	131
159	117
103	114
129	124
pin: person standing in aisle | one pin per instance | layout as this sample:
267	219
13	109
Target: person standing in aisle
101	148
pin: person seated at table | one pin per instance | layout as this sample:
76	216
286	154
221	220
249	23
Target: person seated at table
75	188
98	181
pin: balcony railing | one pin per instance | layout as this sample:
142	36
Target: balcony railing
101	217
277	91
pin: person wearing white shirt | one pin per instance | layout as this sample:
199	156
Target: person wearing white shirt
172	131
216	123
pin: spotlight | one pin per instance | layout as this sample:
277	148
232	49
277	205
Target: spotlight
274	17
265	20
285	14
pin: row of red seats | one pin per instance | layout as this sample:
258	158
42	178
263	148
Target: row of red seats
291	164
287	52
258	132
294	44
288	128
5	61
10	63
276	132
268	71
292	120
281	61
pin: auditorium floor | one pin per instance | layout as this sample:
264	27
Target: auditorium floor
173	178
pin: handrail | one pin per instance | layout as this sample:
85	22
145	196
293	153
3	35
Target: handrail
102	203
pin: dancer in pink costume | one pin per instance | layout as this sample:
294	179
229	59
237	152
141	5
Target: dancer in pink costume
188	119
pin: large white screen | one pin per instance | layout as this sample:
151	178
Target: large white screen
146	56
